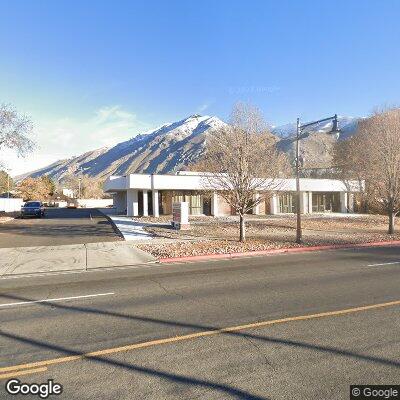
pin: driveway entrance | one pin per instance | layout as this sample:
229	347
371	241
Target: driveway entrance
59	226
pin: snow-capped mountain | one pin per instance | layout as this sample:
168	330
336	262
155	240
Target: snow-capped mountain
169	148
316	144
347	126
174	146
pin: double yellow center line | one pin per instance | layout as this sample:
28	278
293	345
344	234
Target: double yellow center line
41	366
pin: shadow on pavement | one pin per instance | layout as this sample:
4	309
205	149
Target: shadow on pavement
196	327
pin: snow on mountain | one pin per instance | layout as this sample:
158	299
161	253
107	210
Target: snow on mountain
173	146
168	148
316	145
347	125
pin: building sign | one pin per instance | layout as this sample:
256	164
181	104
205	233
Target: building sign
180	215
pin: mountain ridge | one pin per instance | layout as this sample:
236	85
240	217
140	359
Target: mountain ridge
170	147
174	146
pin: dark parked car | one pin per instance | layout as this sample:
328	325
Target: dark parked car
32	209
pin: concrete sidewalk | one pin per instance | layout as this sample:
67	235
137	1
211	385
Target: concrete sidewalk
132	230
28	260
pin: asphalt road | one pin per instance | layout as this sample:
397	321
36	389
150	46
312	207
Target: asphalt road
59	226
292	352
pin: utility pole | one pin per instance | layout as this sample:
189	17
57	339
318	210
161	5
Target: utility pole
79	190
298	193
299	131
8	182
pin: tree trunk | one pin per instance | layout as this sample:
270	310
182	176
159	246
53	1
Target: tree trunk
391	222
242	236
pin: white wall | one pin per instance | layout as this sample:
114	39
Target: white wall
68	192
115	182
198	182
10	205
120	202
61	204
94	203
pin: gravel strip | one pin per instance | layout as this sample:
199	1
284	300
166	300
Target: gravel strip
219	235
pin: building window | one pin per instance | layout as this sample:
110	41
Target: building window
287	203
325	202
198	203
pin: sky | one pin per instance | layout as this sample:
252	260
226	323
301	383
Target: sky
94	73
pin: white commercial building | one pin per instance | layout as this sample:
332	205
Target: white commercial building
153	194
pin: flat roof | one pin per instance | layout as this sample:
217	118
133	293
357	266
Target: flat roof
190	180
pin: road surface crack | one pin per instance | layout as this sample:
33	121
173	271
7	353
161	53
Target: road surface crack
166	290
259	352
186	298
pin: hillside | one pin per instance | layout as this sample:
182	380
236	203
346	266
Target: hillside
166	149
174	146
316	146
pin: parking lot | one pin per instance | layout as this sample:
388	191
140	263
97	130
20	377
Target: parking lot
59	226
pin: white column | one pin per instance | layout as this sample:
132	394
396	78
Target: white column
132	203
214	204
343	202
145	204
256	209
310	202
303	202
156	211
274	204
350	201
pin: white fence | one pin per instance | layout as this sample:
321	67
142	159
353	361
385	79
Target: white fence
10	205
94	203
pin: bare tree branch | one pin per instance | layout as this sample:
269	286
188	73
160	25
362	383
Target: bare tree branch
373	155
243	162
15	130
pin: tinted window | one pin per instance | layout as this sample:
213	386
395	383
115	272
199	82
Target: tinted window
32	204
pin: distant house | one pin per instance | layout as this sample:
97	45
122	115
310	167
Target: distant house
68	193
145	194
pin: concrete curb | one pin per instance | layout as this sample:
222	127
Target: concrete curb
113	224
277	251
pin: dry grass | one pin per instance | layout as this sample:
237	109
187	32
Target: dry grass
219	235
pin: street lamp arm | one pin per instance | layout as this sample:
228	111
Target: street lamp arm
317	122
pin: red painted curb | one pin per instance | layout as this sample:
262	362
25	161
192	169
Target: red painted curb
278	251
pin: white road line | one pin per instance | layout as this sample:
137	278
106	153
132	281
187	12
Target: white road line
388	263
57	299
101	269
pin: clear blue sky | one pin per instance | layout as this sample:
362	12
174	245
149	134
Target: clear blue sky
80	63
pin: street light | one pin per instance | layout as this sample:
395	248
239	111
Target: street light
8	182
79	191
299	135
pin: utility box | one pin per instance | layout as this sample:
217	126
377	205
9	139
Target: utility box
180	215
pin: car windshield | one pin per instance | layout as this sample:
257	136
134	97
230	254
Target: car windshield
32	204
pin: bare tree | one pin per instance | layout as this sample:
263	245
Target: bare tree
374	155
6	182
242	162
351	165
15	130
91	188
